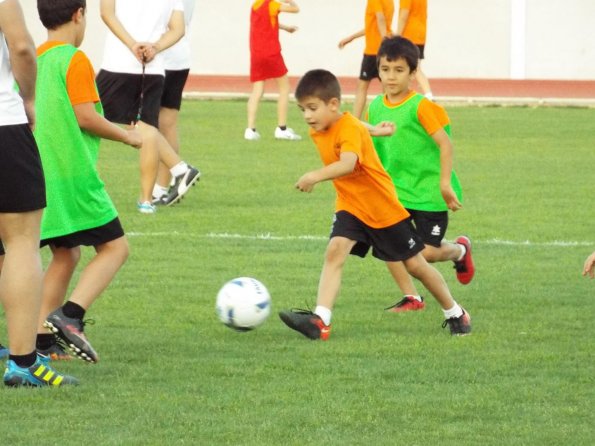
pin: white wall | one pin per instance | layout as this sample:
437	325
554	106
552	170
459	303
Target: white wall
466	38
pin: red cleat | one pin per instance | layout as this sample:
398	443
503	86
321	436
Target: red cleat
408	303
465	267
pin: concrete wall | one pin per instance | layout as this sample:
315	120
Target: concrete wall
498	39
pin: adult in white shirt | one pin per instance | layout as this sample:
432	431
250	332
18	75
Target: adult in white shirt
22	199
130	83
177	60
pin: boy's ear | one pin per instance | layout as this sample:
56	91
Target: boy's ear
334	104
78	15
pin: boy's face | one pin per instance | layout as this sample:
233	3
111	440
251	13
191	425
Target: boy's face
395	77
319	115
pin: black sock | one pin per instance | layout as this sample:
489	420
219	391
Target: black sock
283	127
24	361
44	341
72	310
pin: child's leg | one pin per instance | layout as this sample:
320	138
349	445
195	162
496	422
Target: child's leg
168	126
431	279
330	279
100	271
361	96
56	280
253	100
283	101
446	251
423	82
402	278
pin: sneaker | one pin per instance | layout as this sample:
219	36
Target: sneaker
181	186
465	267
287	134
156	201
146	208
408	303
251	135
38	375
70	330
3	352
55	352
307	323
459	326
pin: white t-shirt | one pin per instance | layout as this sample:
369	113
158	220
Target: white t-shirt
12	111
145	21
178	57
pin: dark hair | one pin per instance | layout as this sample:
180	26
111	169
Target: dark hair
398	47
321	84
54	13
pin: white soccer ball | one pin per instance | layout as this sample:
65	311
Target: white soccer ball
243	304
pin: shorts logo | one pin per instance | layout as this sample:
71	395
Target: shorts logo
411	243
436	230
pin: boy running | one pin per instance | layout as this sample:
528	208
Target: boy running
418	157
368	213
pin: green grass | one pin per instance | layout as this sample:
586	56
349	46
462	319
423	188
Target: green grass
170	373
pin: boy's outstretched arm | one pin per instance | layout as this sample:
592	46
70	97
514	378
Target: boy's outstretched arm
289	28
289	6
384	128
91	121
352	37
446	150
344	166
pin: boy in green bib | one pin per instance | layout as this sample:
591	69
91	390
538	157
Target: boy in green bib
419	159
70	125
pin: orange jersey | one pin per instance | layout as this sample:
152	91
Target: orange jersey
373	36
80	77
415	28
368	192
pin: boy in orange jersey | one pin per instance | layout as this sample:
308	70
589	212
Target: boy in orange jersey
368	212
413	17
378	22
266	62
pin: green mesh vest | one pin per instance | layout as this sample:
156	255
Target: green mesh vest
76	196
410	156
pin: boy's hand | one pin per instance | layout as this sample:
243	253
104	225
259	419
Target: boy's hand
306	183
450	198
290	28
384	128
133	137
344	42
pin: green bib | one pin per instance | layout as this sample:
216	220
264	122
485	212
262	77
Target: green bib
76	196
410	156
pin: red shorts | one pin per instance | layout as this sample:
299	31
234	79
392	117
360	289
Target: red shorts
266	67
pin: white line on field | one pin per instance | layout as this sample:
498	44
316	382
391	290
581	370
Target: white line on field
269	236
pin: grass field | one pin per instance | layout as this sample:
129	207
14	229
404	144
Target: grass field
170	373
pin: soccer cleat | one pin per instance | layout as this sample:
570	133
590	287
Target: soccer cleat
251	135
39	374
156	201
55	352
181	186
70	330
465	267
287	134
307	323
3	352
459	326
408	303
146	208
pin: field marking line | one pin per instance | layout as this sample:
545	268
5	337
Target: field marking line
269	236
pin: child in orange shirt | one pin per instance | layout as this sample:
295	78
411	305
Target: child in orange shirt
368	212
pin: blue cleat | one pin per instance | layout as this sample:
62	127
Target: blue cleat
39	374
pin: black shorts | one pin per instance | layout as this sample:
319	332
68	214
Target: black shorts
120	95
421	49
431	226
369	68
171	97
88	237
391	244
22	185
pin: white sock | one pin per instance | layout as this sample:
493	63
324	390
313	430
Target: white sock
416	297
179	169
464	251
324	314
430	95
159	191
455	311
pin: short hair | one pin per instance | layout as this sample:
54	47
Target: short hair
321	84
398	47
54	13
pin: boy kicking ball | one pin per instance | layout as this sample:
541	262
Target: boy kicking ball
368	212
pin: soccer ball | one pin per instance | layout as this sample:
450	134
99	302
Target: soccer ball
243	304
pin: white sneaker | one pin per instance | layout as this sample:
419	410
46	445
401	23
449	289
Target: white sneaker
288	134
251	135
146	207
